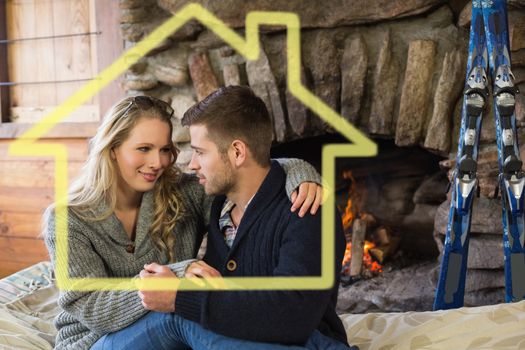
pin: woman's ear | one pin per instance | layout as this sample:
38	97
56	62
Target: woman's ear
112	154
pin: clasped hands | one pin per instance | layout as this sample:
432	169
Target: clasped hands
164	301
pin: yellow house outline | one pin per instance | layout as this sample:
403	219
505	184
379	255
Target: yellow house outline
26	145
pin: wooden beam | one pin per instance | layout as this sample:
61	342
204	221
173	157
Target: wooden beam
4	76
8	267
26	199
20	173
59	131
110	45
77	151
22	250
25	224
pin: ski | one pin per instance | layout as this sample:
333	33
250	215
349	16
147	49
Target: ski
488	46
511	178
451	283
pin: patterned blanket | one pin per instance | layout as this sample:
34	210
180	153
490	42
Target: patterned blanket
25	281
28	306
491	327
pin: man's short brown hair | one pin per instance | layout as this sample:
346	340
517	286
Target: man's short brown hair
234	112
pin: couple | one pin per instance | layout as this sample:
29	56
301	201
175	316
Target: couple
131	212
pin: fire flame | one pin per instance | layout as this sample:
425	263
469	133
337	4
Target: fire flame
348	218
368	262
348	215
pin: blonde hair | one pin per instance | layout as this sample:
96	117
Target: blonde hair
98	177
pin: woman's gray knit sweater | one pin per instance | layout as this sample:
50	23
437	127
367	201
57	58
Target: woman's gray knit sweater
102	249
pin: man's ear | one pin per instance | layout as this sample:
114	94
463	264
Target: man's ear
239	152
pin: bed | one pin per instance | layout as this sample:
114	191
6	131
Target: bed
28	306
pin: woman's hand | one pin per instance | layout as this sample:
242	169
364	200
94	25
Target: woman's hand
310	197
161	301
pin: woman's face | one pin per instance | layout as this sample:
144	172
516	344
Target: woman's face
143	156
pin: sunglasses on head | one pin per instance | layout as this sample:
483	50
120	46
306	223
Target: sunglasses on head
146	102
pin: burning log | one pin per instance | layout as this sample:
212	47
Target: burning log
382	253
357	262
358	240
370	221
382	236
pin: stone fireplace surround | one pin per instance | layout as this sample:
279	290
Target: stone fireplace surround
395	70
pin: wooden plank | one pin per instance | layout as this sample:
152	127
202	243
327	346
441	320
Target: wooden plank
30	19
59	131
45	95
59	59
20	224
77	150
34	114
93	38
25	199
110	45
4	90
12	9
72	55
9	267
33	174
21	20
22	250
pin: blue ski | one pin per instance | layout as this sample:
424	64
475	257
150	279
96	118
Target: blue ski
511	179
451	284
489	45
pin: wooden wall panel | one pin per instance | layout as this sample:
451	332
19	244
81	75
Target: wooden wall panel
21	174
70	60
4	76
72	55
26	189
20	224
110	45
27	183
8	267
10	131
20	20
25	199
76	148
18	253
22	250
45	94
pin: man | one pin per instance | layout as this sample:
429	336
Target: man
252	233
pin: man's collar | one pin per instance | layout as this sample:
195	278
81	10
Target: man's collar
271	187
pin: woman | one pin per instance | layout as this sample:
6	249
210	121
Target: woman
129	207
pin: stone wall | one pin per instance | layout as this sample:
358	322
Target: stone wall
395	69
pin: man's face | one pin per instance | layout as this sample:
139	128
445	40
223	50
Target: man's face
214	169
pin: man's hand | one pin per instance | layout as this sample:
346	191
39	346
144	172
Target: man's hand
199	269
310	197
162	301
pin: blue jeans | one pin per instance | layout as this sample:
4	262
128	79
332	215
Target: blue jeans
158	330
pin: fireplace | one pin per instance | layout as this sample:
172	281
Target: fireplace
390	200
397	202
